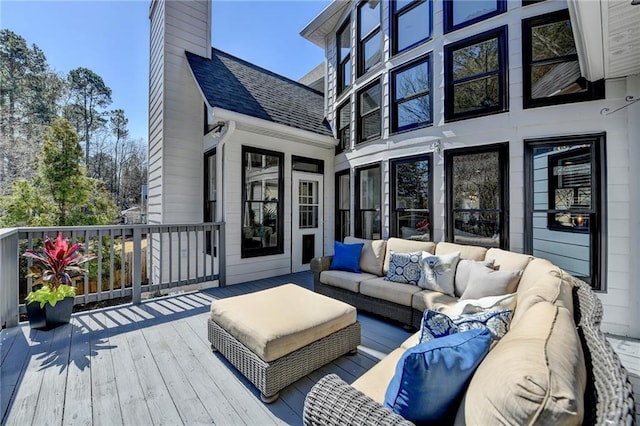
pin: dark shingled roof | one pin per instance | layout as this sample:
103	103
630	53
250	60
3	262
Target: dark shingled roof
236	85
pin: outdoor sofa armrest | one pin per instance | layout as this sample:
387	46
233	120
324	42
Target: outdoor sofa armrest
319	264
333	402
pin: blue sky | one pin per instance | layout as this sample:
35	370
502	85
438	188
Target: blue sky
112	39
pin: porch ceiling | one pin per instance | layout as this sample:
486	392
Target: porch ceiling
607	36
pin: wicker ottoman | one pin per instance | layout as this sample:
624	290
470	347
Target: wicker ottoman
277	336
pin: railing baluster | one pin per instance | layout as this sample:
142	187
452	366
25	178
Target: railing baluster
123	258
136	268
99	273
179	257
111	267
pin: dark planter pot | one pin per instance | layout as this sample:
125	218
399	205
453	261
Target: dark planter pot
50	316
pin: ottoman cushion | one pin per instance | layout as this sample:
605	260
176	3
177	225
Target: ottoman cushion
275	322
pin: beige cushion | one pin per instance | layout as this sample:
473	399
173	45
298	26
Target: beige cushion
508	260
374	382
485	282
344	279
412	340
535	375
463	273
428	299
399	245
372	257
466	251
275	322
387	290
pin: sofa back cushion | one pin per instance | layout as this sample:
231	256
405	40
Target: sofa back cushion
399	245
507	260
535	375
372	257
466	251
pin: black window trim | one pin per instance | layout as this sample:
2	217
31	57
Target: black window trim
595	90
341	87
359	140
338	210
501	7
428	157
340	147
361	42
394	102
357	209
501	34
599	198
264	251
396	13
301	159
503	215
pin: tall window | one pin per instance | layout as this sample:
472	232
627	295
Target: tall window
369	113
369	35
210	195
411	198
343	124
476	75
343	204
551	70
344	56
368	203
411	95
565	204
461	13
262	200
411	23
477	185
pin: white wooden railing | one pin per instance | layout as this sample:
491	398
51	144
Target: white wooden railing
130	260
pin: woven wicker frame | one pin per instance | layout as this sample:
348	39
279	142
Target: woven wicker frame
271	377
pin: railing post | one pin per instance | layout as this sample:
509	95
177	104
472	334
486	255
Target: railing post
9	267
222	247
136	271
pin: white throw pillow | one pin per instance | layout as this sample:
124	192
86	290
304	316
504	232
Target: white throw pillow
438	272
463	273
484	282
470	306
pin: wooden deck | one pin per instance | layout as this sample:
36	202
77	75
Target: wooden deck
152	364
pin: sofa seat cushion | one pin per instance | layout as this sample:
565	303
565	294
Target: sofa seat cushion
507	260
343	279
535	375
412	340
429	299
375	381
380	288
466	251
372	257
399	245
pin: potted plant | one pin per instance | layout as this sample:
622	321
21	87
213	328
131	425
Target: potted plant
55	268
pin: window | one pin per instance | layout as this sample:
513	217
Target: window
411	198
368	205
369	112
369	35
343	124
210	195
262	199
309	165
565	204
477	185
411	23
476	76
343	204
551	71
411	96
461	13
343	39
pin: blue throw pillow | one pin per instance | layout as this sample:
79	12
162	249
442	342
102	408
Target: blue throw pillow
346	257
431	378
404	267
436	324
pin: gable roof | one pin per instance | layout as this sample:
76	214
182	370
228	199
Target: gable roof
236	85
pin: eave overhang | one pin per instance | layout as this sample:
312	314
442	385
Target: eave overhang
325	22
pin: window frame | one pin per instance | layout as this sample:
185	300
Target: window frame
338	210
598	235
339	130
501	35
279	248
503	212
360	71
359	118
393	220
340	83
449	26
395	29
209	204
357	208
595	90
395	103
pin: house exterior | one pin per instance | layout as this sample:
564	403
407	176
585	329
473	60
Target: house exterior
504	124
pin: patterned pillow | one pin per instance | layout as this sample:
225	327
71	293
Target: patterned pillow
439	272
436	324
404	267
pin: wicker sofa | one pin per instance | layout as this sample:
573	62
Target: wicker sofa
608	395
